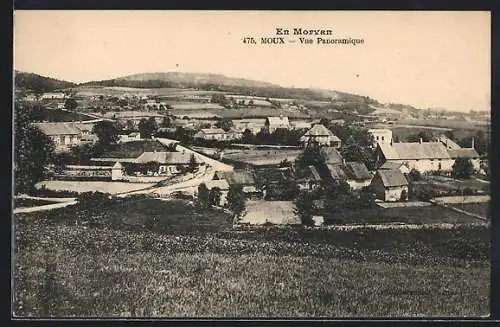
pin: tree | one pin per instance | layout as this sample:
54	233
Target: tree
404	195
215	196
192	163
107	133
425	136
224	123
33	150
236	199
247	136
312	155
304	208
355	152
147	127
203	195
220	99
166	122
70	104
462	168
129	125
415	175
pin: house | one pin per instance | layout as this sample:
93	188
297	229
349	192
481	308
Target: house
390	185
421	156
64	135
169	162
469	153
389	165
340	122
243	178
357	175
308	178
223	187
53	95
134	136
212	134
381	136
273	123
234	134
322	135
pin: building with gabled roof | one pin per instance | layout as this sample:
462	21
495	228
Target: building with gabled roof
390	185
273	123
63	134
212	134
421	156
322	135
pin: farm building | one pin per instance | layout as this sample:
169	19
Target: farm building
300	125
332	156
157	163
469	153
421	156
381	136
390	185
53	95
243	178
389	165
308	178
213	134
273	123
223	187
322	135
358	175
134	136
64	135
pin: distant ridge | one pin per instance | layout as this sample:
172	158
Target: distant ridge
37	83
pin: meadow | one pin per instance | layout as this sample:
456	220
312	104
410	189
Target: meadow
128	259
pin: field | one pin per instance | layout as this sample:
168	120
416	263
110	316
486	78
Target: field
261	157
445	123
482	209
446	184
117	91
58	115
66	269
275	212
411	215
93	186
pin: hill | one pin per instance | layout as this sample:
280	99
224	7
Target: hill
37	83
217	82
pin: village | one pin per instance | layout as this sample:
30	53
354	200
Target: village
131	144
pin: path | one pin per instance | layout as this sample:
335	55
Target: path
44	207
217	165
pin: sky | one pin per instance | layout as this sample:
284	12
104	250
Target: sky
425	59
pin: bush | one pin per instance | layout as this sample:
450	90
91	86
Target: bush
468	191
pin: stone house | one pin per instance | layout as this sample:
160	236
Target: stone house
390	185
322	135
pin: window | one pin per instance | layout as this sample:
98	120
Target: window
382	138
377	138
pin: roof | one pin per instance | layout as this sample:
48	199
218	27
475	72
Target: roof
220	183
392	177
463	153
278	121
117	165
450	144
389	165
237	177
357	170
336	172
301	124
320	130
309	172
379	130
213	131
332	155
164	157
57	128
414	151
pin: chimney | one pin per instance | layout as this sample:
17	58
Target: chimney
472	145
343	161
420	141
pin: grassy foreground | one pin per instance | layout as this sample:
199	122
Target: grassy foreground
67	270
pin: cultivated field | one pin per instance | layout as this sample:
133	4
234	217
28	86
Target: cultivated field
208	269
94	186
482	209
274	212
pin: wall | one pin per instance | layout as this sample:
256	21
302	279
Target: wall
394	193
357	185
427	165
